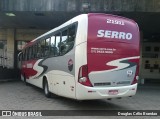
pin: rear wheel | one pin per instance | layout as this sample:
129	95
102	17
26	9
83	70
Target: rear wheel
46	89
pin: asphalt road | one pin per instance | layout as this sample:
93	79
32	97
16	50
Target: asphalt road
16	95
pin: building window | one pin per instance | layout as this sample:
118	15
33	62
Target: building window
156	49
148	48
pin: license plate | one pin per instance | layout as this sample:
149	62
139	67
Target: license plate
113	92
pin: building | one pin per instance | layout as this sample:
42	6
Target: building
23	20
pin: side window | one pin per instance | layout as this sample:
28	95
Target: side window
63	47
67	39
30	53
47	47
38	50
57	45
42	48
27	53
71	36
23	55
20	56
53	46
34	53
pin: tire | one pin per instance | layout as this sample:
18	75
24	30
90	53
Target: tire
46	89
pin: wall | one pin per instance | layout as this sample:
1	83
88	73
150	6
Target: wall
8	54
150	67
76	5
28	34
3	47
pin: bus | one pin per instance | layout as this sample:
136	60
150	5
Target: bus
91	56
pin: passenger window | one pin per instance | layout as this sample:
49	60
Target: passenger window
47	47
43	48
35	51
30	53
27	54
20	55
38	50
71	38
53	46
68	38
23	55
63	47
57	45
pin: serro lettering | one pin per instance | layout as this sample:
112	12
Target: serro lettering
114	34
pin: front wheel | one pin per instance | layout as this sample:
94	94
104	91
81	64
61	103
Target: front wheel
46	90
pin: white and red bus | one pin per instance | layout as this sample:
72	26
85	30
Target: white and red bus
92	56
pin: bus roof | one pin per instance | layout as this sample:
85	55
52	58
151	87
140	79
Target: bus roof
71	21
